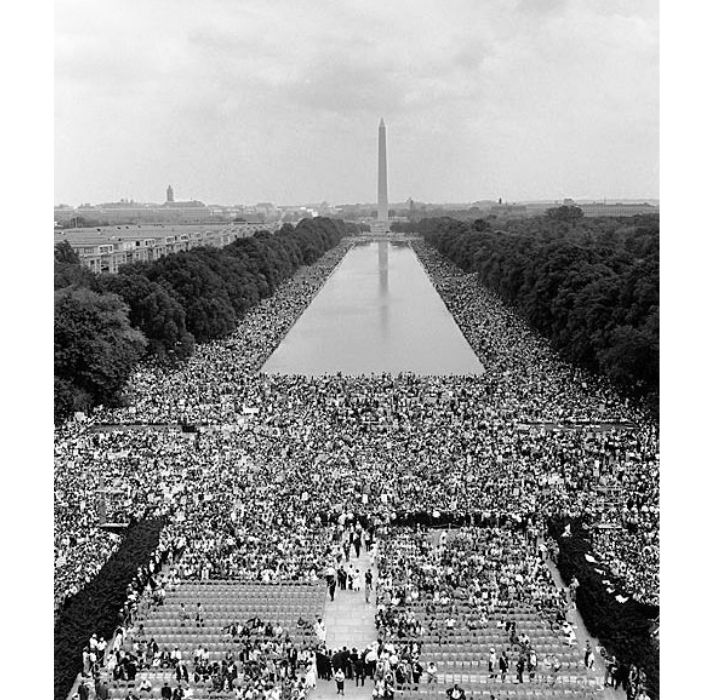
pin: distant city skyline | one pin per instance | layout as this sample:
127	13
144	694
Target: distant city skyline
249	102
373	202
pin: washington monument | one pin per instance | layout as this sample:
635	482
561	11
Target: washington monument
382	215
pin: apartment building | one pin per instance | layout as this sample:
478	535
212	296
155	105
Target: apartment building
106	248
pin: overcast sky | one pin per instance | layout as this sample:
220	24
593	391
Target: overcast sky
240	101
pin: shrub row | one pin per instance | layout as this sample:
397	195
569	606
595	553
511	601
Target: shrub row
624	629
96	608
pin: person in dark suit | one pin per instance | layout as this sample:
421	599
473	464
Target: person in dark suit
417	671
357	663
101	690
342	578
504	665
181	672
368	584
324	670
520	667
337	660
347	664
165	692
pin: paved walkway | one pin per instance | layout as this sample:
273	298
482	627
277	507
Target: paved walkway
349	622
580	630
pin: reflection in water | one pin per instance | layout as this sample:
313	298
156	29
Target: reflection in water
383	287
378	312
383	267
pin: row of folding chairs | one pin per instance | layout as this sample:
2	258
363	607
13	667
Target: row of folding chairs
259	610
451	645
474	661
235	598
217	630
240	604
170	640
244	600
486	634
236	613
248	582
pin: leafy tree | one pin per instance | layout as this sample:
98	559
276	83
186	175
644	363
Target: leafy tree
591	286
64	253
69	274
95	348
104	323
631	357
67	268
154	312
163	321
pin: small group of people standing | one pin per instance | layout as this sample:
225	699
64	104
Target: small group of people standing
350	578
351	581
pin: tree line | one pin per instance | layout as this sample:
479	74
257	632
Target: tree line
589	285
104	324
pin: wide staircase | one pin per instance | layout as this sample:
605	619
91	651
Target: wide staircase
222	603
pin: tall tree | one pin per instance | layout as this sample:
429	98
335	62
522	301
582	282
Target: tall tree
95	348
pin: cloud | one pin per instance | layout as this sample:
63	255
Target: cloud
541	7
250	101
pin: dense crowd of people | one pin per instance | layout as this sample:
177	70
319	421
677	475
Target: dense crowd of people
484	568
140	468
469	583
278	465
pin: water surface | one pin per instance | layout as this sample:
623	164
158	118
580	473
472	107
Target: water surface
377	312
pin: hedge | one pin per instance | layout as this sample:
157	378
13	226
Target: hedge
95	609
624	629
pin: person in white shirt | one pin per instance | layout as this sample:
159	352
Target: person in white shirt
118	638
571	636
492	663
371	659
101	650
311	676
339	678
320	631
